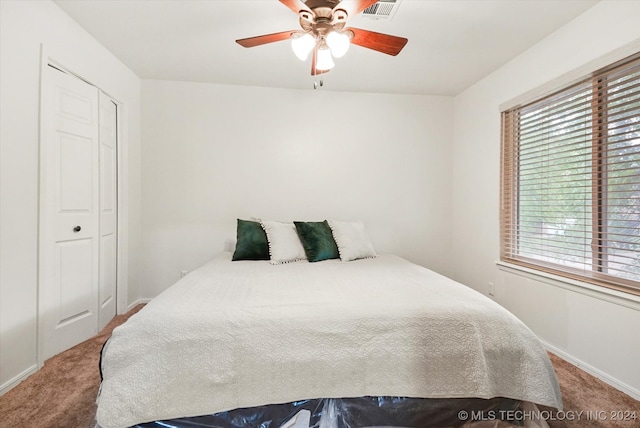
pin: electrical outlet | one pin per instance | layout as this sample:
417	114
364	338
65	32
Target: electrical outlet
492	289
183	273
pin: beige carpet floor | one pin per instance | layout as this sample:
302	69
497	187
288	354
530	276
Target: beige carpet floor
62	394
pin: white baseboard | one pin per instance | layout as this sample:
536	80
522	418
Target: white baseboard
621	386
136	303
4	388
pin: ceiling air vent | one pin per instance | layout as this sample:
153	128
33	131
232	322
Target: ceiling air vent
384	9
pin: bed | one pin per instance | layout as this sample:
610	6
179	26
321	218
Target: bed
236	335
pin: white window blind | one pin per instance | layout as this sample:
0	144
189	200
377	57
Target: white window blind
571	180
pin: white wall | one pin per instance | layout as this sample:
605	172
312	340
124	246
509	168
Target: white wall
213	153
24	26
600	335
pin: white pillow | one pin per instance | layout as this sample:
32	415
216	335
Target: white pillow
352	240
284	243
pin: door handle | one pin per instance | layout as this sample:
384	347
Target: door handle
77	229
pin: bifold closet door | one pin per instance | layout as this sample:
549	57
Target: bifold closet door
77	213
108	209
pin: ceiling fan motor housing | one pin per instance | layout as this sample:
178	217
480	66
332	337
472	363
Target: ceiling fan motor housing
322	18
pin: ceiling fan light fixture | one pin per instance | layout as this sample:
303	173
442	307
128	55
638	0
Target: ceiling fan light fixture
302	45
325	60
339	43
324	33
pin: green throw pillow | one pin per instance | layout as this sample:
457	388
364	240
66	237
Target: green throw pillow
251	242
317	240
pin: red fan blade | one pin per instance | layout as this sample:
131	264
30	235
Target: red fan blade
250	42
296	6
314	61
385	43
354	7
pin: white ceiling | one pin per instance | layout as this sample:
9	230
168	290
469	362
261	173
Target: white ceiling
452	43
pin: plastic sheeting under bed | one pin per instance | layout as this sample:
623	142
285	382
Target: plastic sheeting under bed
369	412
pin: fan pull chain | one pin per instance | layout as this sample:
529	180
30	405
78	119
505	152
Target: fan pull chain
316	84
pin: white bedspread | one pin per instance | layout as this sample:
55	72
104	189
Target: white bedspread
247	333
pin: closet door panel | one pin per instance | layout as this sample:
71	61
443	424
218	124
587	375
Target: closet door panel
69	217
108	209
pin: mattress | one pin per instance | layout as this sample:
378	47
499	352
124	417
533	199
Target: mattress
247	333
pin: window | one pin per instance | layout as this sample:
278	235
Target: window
571	180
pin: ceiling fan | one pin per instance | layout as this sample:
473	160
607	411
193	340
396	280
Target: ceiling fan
324	35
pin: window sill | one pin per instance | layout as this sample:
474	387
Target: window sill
627	300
